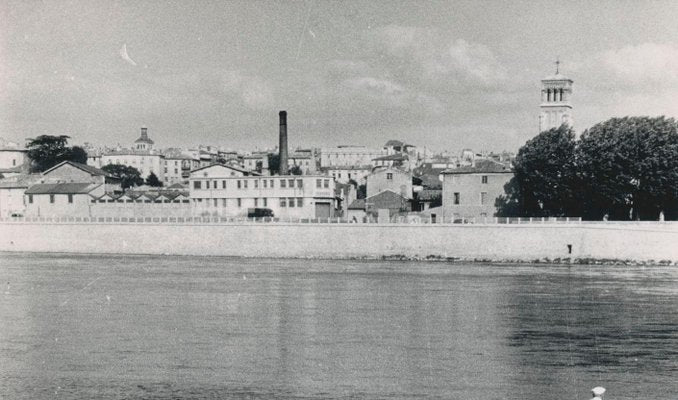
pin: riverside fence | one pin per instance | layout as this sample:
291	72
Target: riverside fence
402	220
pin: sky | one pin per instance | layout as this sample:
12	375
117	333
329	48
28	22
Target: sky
446	75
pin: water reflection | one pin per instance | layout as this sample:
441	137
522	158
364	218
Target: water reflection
158	327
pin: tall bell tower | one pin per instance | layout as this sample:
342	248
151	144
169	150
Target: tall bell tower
556	108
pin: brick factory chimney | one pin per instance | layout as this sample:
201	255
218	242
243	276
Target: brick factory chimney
282	146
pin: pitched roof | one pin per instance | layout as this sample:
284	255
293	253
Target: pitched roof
243	170
392	157
481	167
62	188
20	181
394	143
357	204
87	168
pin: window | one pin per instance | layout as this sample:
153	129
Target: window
207	184
244	184
196	185
265	183
223	203
14	162
456	198
265	201
70	198
290	183
239	202
256	185
176	170
300	183
290	202
239	184
340	175
256	202
283	183
51	198
326	183
271	183
283	202
300	202
223	184
216	184
30	198
483	198
215	202
389	175
483	179
318	183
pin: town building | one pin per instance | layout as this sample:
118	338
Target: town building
556	105
73	172
12	189
303	160
142	157
347	173
61	199
393	179
13	159
384	206
256	162
470	192
349	156
221	190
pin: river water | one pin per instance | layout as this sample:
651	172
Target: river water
117	327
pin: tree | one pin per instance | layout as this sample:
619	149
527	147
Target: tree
629	168
129	176
274	163
545	177
46	151
78	154
152	180
296	170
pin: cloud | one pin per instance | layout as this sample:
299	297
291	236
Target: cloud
435	57
648	63
255	92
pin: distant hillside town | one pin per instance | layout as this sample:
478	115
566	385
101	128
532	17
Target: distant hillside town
396	182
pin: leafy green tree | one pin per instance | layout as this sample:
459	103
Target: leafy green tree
128	175
629	168
46	151
296	170
152	180
545	179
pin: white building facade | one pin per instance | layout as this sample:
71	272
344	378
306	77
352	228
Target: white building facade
220	190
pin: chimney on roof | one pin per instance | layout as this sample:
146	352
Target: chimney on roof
144	133
282	146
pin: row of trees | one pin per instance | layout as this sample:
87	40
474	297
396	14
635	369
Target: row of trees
621	169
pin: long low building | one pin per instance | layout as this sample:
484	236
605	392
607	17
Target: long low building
221	190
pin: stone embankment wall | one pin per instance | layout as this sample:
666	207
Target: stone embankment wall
627	241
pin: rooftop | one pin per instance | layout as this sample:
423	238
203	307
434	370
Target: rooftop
481	167
62	188
87	168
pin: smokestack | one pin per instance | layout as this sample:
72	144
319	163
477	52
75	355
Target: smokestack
282	146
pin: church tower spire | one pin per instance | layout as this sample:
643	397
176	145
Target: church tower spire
556	106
